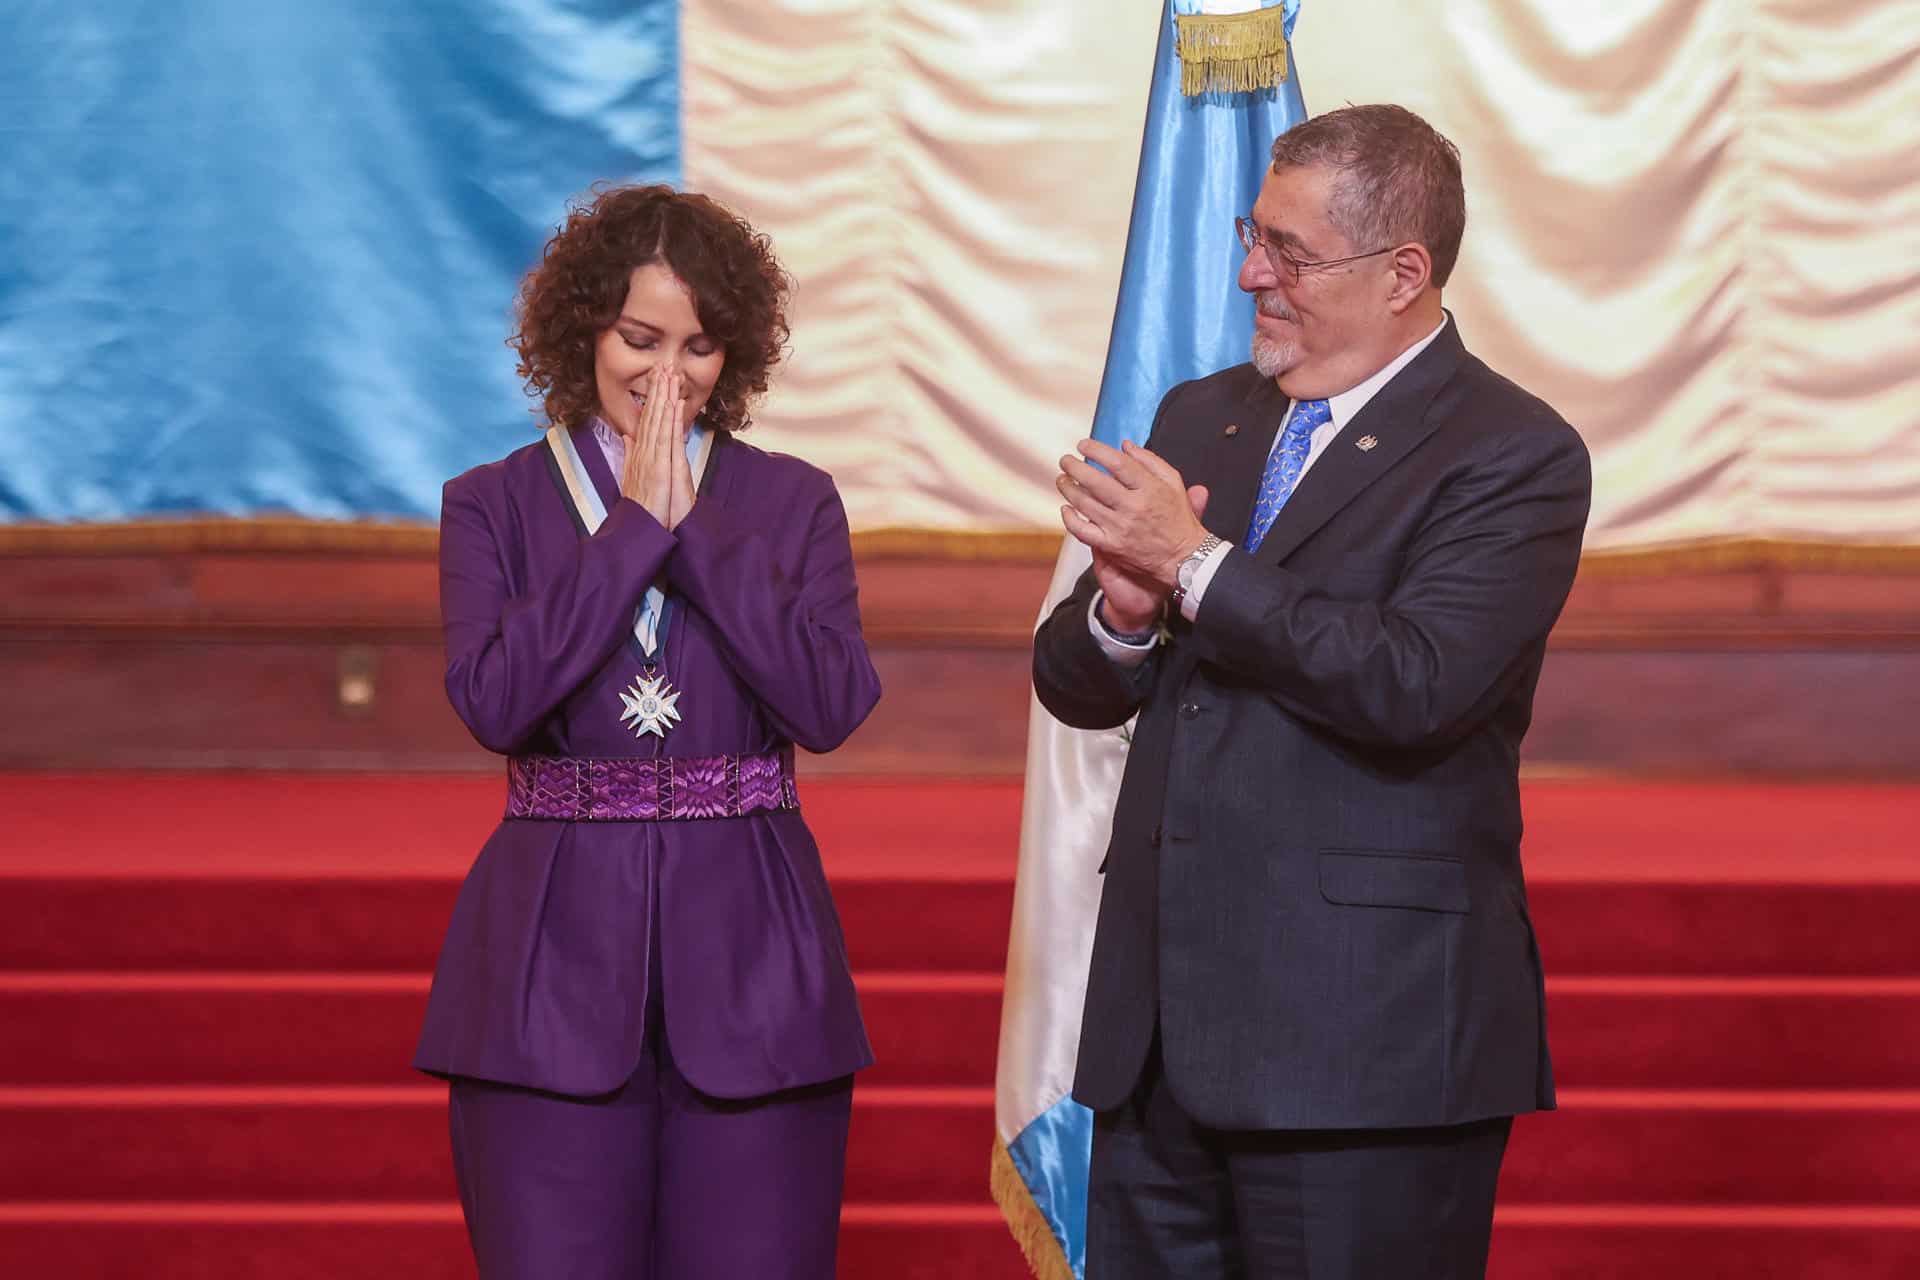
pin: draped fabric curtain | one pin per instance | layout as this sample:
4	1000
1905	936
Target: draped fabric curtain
259	256
1694	227
950	182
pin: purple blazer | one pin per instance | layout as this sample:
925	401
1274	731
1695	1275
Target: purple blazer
543	977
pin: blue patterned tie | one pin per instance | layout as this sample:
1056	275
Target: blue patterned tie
1284	465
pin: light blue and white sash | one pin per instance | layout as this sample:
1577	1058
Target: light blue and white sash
593	513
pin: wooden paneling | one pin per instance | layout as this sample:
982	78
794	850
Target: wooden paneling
233	658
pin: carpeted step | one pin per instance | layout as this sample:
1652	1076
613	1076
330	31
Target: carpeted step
1747	1242
357	1028
270	1241
381	1143
1735	1033
394	925
147	1241
933	1029
1675	927
1717	981
928	1028
930	1145
1685	1147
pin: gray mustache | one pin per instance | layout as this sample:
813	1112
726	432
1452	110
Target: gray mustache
1269	304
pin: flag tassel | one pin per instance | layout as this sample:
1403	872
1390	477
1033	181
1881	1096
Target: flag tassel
1232	52
1024	1219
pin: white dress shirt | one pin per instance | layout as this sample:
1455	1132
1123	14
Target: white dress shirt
1343	408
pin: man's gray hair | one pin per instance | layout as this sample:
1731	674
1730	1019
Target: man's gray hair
1398	180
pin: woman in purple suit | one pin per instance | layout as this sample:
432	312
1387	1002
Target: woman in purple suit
643	1005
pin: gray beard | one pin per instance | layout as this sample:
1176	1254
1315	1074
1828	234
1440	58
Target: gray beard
1273	358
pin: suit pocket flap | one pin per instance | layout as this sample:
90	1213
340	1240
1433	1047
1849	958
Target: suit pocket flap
1425	882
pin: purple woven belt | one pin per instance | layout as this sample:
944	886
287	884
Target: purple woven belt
663	789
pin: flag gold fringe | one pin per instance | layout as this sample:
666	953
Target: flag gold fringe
1232	52
1024	1219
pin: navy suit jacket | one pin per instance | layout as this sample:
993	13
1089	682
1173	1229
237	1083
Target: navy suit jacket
1313	888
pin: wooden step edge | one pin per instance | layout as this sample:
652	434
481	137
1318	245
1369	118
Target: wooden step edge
880	981
856	1214
889	981
213	1212
889	1097
148	878
931	981
209	981
1631	1099
1741	1217
875	870
198	981
156	1096
1825	987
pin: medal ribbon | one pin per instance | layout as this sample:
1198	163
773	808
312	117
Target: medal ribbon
593	513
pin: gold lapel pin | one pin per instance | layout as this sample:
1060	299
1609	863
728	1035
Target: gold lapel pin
1365	443
1233	428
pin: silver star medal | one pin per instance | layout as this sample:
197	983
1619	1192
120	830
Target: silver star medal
649	705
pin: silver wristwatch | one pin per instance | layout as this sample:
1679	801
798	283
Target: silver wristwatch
1183	576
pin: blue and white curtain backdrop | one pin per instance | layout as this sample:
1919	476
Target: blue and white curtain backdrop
257	257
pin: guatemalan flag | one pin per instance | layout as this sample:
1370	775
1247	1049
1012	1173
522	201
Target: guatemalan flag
1224	86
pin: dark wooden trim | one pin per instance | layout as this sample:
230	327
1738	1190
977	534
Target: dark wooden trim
410	539
243	656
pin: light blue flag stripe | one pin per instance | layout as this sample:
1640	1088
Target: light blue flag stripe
1179	315
259	255
1052	1156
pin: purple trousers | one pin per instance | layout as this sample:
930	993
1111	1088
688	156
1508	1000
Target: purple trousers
655	1181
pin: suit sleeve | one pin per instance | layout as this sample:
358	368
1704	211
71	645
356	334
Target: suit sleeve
1480	587
791	633
1075	681
512	659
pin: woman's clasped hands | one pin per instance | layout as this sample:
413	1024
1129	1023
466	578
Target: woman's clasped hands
657	474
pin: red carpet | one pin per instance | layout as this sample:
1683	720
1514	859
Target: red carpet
200	974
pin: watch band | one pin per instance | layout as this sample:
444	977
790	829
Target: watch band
1136	639
1208	545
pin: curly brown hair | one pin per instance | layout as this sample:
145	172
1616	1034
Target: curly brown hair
575	294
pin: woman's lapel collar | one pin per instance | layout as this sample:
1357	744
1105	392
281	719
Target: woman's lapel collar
594	459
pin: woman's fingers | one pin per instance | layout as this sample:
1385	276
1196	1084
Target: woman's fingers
649	451
633	479
640	446
657	474
682	501
650	419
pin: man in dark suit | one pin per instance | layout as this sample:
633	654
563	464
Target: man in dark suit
1325	586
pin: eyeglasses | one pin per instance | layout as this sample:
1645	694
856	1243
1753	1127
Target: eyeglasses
1283	263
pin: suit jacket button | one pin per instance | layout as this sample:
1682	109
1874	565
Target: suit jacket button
1156	837
1189	710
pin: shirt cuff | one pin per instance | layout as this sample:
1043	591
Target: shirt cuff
1190	603
1120	652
